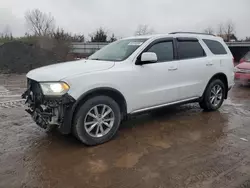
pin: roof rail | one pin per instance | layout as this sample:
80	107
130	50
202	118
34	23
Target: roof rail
191	33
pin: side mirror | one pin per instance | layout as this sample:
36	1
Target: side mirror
149	57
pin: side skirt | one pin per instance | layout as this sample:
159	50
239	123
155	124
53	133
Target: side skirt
186	101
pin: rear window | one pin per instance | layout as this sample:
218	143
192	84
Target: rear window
190	49
215	47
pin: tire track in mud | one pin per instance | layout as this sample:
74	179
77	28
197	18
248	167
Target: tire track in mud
5	93
13	103
6	97
9	94
3	89
230	106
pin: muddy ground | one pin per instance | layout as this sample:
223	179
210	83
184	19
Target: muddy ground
175	147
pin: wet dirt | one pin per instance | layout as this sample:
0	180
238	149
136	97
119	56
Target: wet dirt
174	147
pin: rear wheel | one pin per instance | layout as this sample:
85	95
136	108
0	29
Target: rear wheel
97	120
213	96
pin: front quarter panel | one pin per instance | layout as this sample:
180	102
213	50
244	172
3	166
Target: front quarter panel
84	83
115	78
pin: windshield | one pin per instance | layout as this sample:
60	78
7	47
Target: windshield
117	51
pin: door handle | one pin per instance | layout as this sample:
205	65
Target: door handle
172	69
209	64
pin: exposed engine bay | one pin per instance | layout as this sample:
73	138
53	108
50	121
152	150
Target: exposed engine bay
46	110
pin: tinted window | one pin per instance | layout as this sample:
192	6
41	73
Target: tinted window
215	47
190	49
163	50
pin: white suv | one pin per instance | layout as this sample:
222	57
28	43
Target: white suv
90	97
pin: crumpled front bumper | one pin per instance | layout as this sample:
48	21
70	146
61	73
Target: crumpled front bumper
49	110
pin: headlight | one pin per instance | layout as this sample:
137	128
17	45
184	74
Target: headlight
54	88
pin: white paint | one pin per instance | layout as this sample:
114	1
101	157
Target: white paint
59	71
149	56
143	86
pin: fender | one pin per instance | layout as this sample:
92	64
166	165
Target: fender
223	78
68	117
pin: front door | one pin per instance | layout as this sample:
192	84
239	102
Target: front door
155	82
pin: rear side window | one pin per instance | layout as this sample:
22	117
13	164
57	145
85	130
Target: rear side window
215	47
190	49
163	50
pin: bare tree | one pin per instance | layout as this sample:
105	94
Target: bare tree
221	30
112	38
209	30
144	30
247	39
7	32
39	23
229	30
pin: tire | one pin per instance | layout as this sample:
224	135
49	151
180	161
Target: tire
206	102
82	119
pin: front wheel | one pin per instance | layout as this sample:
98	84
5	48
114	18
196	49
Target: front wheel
97	120
213	96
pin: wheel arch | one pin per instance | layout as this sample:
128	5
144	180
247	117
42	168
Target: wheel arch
106	91
221	76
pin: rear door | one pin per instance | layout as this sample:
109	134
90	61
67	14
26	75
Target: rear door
194	67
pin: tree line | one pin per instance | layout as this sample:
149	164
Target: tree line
42	25
225	30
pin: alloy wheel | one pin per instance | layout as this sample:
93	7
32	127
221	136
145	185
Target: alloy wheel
99	120
216	95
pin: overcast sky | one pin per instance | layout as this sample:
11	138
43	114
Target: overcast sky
123	16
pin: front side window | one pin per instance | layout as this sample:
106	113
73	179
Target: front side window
215	47
190	49
118	51
163	50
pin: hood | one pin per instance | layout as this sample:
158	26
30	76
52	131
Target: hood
60	71
245	65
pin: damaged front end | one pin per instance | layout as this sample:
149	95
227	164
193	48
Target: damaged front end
48	111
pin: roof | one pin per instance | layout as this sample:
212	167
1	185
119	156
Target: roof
177	34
